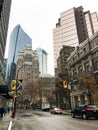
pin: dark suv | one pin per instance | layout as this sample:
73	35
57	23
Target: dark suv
85	111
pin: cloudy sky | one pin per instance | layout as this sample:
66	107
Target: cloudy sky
38	19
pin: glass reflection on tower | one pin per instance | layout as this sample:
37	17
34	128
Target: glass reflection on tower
18	41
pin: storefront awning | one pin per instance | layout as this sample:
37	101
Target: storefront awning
6	95
4	89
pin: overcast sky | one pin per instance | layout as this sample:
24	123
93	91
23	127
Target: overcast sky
38	19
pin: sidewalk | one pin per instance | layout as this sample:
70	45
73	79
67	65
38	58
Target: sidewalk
5	121
7	117
67	112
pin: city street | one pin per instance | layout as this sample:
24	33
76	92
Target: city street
48	65
37	120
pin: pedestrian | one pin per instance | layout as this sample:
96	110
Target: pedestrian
5	110
8	109
1	112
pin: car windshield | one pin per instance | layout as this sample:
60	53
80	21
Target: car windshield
57	109
92	106
81	106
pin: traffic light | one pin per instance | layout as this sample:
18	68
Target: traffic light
13	85
65	84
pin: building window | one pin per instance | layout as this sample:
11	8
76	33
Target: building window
81	15
82	23
80	12
93	44
83	32
96	64
84	49
87	68
78	55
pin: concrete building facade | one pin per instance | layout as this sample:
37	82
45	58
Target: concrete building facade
47	89
4	21
74	27
27	70
62	59
61	75
83	72
5	6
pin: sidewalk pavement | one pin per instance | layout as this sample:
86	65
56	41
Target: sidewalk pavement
5	121
67	112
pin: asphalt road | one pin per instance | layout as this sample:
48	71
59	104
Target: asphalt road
36	120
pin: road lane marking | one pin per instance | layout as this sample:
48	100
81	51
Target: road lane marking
10	125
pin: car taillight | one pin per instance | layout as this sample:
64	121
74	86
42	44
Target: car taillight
89	109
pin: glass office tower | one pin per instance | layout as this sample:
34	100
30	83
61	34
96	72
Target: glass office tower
42	55
18	41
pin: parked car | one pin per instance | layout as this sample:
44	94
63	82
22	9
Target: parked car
56	110
85	111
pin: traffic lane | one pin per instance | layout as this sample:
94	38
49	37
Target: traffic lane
45	113
53	122
90	124
58	122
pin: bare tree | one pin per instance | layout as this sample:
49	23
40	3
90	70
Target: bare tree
88	83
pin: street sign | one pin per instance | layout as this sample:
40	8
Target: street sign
75	86
19	85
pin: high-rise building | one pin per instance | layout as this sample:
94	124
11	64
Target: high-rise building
28	64
42	55
74	27
4	21
28	71
18	40
4	67
62	59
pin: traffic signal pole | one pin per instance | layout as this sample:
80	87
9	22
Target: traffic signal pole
15	98
16	92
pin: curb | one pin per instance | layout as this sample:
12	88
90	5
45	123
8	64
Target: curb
67	112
